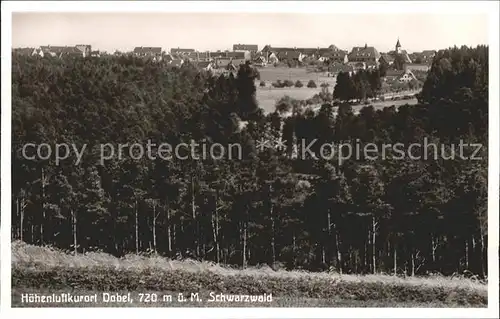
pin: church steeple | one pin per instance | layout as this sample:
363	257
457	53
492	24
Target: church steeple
398	46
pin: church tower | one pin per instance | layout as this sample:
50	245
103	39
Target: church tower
398	47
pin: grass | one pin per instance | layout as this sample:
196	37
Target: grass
268	95
45	270
272	74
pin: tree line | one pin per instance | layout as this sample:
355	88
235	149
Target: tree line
360	85
358	215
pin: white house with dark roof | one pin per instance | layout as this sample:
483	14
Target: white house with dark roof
180	52
86	49
62	51
239	55
336	56
217	54
387	59
252	48
365	54
402	76
150	52
273	58
225	63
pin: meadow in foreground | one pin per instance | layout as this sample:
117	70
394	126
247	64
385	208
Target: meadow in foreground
44	270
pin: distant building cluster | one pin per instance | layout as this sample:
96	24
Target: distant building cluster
362	57
83	50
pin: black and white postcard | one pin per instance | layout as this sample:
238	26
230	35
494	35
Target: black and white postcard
247	159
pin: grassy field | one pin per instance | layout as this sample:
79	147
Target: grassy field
43	270
267	98
271	74
268	95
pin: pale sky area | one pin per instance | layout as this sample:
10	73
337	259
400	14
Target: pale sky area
209	31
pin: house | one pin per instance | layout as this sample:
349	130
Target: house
197	56
74	52
225	67
393	75
96	54
326	51
298	54
235	58
273	58
399	75
37	52
61	51
181	52
48	51
364	54
252	48
204	56
290	55
40	51
268	50
407	77
386	59
428	56
312	52
259	61
191	56
229	62
217	54
151	52
86	49
56	51
239	55
335	56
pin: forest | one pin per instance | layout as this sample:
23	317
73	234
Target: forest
396	216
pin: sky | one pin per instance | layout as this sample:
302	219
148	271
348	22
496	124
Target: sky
219	31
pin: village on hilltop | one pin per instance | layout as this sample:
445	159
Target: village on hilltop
398	62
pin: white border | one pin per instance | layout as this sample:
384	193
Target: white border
388	7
